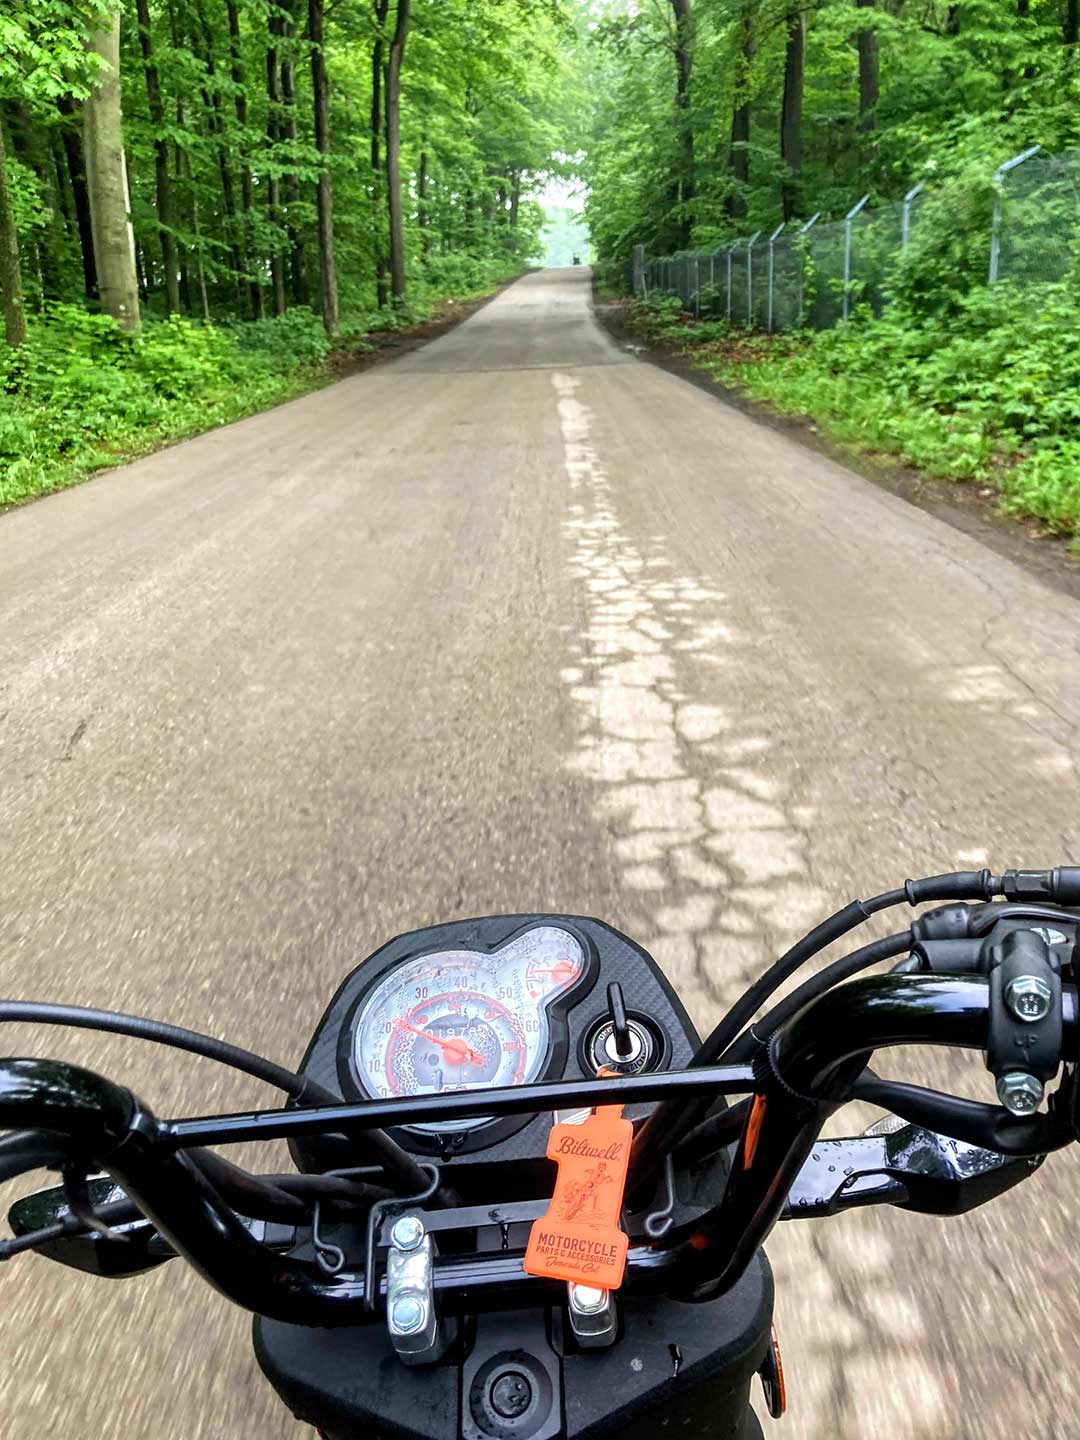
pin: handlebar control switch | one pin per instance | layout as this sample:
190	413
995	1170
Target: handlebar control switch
1024	1038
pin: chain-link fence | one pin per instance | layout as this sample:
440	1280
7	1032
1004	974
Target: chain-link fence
815	273
1036	217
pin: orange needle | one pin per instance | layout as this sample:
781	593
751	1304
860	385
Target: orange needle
458	1052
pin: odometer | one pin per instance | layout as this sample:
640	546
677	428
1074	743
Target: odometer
465	1019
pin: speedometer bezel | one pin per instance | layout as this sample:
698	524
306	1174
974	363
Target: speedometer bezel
488	1132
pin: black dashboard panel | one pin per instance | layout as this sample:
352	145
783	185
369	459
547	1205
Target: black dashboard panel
612	957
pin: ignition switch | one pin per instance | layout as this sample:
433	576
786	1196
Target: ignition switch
620	1042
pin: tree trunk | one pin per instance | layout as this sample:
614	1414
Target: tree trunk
62	180
273	182
683	188
142	273
71	137
163	185
185	280
298	276
869	78
31	147
212	102
791	113
422	218
1071	26
393	150
255	296
200	270
382	9
515	199
106	184
740	118
324	194
11	293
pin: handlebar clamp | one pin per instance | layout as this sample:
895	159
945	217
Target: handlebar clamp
1024	1035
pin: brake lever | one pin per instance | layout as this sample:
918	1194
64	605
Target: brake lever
911	1168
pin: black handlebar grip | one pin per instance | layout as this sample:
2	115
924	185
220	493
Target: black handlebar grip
53	1095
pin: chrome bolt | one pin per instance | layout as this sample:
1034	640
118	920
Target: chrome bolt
588	1299
407	1233
407	1315
1020	1093
1028	998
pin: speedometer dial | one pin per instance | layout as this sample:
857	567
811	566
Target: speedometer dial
465	1019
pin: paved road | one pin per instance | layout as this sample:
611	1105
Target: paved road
517	622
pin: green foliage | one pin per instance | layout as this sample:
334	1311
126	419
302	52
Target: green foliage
988	392
961	379
297	337
80	392
219	139
964	85
42	48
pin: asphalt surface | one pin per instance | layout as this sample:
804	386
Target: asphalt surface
517	622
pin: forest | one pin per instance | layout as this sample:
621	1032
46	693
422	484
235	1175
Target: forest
206	204
203	200
721	118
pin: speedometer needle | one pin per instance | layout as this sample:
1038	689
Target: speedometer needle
455	1049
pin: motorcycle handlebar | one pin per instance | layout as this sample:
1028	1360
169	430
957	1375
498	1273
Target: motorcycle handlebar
810	1066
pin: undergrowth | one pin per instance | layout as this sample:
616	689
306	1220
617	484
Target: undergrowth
986	389
80	394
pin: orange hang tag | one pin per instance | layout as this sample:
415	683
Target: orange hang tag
579	1239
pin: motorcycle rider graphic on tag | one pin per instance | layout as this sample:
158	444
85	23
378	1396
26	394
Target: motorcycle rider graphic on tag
583	1196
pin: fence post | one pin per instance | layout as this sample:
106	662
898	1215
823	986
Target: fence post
995	224
848	218
805	230
729	254
905	215
697	287
769	304
750	278
639	269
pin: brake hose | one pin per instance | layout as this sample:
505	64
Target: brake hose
78	1017
742	1049
720	1129
396	1161
672	1121
958	885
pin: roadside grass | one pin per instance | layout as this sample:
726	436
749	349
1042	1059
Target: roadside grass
989	393
80	396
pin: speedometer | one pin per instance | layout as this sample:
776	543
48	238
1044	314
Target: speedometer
466	1019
